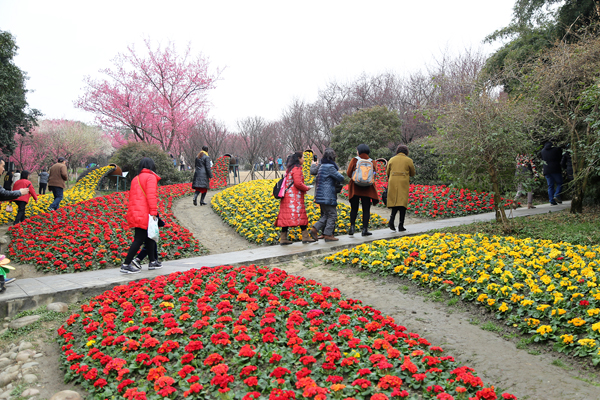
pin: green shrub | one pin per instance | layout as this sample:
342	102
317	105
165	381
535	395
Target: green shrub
129	156
427	161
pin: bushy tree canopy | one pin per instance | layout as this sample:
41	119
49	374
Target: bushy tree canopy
129	156
377	127
15	114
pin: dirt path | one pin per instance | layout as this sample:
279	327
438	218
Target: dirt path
208	227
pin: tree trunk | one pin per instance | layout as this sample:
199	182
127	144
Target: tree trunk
500	214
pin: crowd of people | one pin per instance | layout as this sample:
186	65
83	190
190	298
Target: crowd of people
143	217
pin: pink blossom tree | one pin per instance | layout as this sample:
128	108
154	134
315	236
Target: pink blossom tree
51	139
160	97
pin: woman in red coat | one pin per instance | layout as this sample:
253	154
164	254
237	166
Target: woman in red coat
292	211
142	203
23	200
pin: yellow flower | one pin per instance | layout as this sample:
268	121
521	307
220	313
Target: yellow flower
577	321
491	302
544	329
567	339
90	343
503	307
591	343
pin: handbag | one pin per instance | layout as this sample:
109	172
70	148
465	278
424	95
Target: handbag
384	196
9	208
153	231
153	225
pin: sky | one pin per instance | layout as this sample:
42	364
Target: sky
270	52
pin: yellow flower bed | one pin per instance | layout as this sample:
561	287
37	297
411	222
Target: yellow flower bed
83	190
308	159
252	210
547	289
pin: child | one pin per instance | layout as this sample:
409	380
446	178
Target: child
23	200
4	269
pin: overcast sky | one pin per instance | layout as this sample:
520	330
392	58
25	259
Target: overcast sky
271	51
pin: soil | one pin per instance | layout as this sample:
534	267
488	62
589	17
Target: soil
462	330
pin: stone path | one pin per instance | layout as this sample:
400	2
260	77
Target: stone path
31	293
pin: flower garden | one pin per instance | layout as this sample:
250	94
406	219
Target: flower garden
549	290
84	189
251	333
220	171
251	209
88	233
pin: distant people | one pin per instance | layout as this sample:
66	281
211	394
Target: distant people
173	160
202	175
366	195
22	201
280	163
526	175
10	194
181	163
553	172
16	176
8	180
43	181
56	181
326	196
143	205
292	211
399	170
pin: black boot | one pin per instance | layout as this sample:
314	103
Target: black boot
391	225
196	198
402	218
365	232
202	203
351	230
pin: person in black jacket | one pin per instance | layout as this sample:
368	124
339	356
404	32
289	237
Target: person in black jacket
202	175
9	195
552	157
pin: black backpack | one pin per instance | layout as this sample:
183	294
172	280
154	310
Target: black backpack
277	188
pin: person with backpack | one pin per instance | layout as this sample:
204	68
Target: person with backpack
326	195
292	211
361	188
399	170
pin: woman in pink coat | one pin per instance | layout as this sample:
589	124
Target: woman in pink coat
142	203
292	211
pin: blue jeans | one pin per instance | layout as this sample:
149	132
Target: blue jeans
57	192
553	179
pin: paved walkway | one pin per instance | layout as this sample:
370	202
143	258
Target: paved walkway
30	293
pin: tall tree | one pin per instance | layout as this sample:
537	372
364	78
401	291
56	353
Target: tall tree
480	138
15	114
252	135
564	81
209	133
160	97
537	25
73	140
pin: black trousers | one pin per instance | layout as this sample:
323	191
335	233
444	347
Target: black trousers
141	237
20	211
366	209
402	211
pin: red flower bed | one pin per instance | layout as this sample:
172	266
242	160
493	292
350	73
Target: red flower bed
220	170
250	333
442	201
93	233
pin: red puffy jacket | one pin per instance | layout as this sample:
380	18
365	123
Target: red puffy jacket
25	183
292	211
142	199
